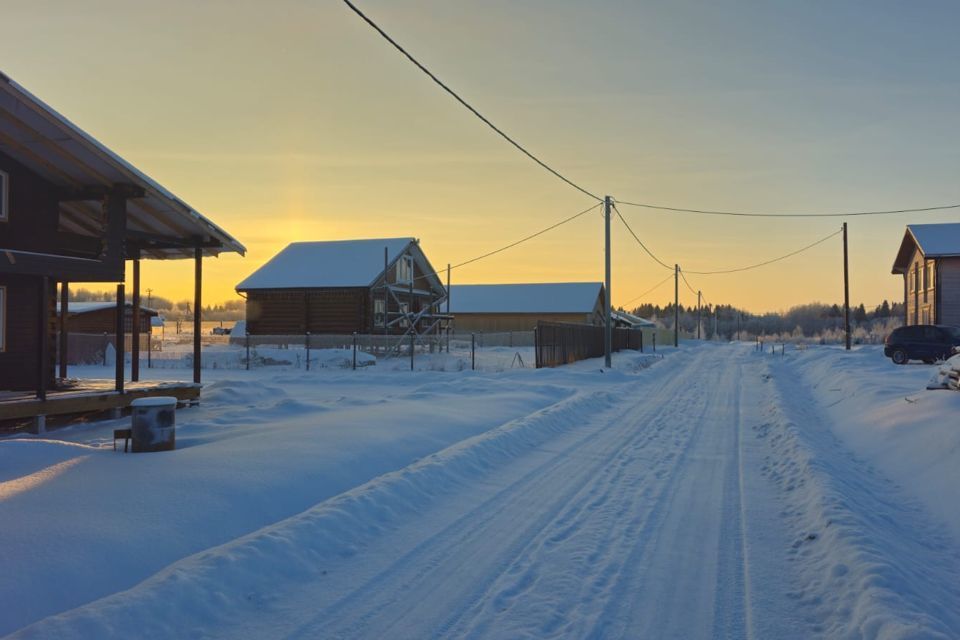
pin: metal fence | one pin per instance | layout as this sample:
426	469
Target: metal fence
562	343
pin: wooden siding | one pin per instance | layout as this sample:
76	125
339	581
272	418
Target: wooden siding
949	283
19	360
296	311
34	214
498	322
105	321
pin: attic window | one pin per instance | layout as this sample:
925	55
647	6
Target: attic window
4	195
405	269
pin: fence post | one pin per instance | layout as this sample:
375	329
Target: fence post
473	351
413	345
354	350
308	350
150	348
247	340
641	340
654	341
105	348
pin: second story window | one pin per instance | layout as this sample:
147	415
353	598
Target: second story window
405	270
4	196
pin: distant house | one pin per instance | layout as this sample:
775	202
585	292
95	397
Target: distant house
929	260
626	320
101	317
340	287
518	307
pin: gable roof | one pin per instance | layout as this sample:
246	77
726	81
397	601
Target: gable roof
934	241
51	146
337	263
545	297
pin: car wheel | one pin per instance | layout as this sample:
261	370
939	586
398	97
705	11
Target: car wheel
899	356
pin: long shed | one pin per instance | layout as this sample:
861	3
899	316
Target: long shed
929	261
369	286
493	308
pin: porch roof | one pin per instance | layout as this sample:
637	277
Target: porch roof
51	146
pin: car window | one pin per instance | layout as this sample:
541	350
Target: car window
932	334
909	333
953	333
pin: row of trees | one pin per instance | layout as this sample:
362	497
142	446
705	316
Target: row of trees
231	310
815	321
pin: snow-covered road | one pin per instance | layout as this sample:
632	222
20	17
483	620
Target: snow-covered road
705	497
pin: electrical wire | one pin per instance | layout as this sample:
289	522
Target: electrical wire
466	104
686	282
648	291
771	261
640	242
709	212
513	244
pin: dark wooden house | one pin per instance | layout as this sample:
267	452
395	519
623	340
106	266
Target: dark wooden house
101	317
929	261
341	287
73	211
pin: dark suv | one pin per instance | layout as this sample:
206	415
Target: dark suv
925	342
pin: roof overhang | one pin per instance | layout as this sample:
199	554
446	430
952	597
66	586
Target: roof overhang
85	171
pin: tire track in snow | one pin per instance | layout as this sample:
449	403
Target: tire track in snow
385	604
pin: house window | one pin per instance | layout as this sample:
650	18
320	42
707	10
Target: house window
4	196
404	309
928	277
3	319
405	269
379	307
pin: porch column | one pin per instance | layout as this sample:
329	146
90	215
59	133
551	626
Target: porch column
43	334
64	331
135	328
119	342
197	303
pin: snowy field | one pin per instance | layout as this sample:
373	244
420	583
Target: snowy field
711	493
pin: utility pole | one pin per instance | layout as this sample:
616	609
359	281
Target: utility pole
676	305
607	329
846	288
698	315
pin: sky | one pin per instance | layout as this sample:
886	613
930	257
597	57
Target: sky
293	120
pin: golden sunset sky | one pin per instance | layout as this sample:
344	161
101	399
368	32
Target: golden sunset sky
293	120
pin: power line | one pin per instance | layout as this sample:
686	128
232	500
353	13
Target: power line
766	262
787	215
640	242
514	244
684	278
648	291
466	104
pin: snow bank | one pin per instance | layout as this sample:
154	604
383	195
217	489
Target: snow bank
202	591
884	414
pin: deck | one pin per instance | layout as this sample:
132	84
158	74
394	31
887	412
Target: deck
89	396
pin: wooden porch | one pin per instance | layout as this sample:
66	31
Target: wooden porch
88	396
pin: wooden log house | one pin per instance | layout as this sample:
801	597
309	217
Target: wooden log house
73	211
379	286
929	261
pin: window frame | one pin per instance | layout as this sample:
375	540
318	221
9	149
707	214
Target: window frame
4	196
379	314
404	272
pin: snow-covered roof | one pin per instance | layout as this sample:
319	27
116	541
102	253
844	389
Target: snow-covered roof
68	157
546	297
339	263
934	240
87	307
632	320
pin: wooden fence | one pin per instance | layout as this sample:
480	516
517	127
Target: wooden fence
560	343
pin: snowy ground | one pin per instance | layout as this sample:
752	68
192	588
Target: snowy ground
714	493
